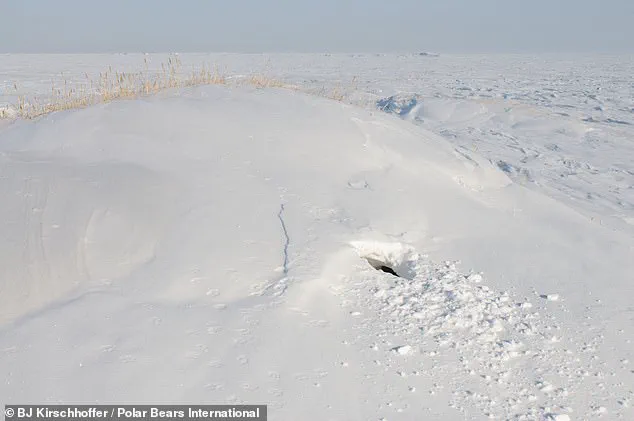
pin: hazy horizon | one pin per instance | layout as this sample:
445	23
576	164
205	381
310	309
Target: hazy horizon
283	26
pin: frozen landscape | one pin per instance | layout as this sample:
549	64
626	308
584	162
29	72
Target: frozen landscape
220	244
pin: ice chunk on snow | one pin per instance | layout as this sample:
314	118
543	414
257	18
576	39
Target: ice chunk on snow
559	417
402	350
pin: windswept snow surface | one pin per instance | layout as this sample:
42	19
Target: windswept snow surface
219	245
560	124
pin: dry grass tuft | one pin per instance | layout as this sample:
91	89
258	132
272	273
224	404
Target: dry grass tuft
113	85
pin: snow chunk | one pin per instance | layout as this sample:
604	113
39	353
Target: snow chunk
559	417
402	350
402	104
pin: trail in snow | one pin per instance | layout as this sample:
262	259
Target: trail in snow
287	240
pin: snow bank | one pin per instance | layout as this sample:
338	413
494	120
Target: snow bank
216	245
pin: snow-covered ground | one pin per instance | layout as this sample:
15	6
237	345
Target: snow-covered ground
219	244
559	124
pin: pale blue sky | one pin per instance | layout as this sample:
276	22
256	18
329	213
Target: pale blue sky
316	25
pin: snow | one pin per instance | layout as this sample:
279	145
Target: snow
8	112
559	417
221	245
403	350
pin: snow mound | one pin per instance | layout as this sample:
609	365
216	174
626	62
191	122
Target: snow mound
235	233
118	189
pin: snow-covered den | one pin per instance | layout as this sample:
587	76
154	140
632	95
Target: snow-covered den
336	262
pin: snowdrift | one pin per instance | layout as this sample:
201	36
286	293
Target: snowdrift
557	149
220	245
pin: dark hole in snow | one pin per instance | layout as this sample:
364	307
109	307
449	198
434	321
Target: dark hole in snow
388	269
378	265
